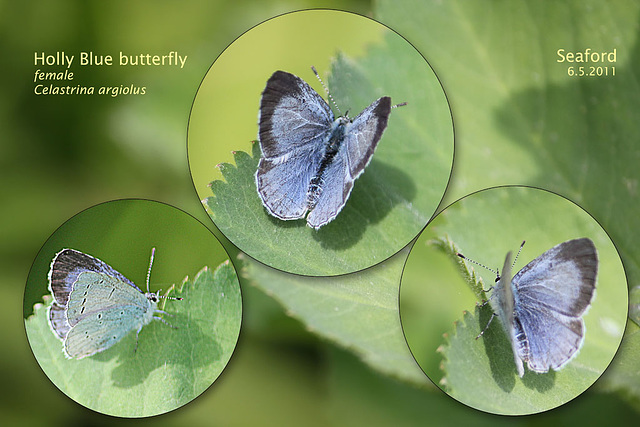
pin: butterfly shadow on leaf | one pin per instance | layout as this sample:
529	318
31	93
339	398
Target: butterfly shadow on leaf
375	194
160	346
501	359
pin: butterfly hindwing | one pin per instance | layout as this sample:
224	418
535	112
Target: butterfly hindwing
361	137
548	340
283	186
334	189
58	320
100	330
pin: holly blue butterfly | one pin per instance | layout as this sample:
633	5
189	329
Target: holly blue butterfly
94	305
310	159
542	306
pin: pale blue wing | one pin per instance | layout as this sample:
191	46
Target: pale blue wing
58	320
95	292
334	189
363	133
552	293
294	122
67	265
361	137
292	115
102	329
547	340
283	185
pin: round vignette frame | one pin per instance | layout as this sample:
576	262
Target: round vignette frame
310	80
521	262
42	260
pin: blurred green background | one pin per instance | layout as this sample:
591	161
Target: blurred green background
519	119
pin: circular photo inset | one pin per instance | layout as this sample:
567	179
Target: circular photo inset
141	312
513	300
354	143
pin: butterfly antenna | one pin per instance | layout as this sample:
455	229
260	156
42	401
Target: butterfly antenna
153	254
166	296
516	258
496	272
326	89
402	104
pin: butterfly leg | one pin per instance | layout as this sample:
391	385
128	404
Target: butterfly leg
488	290
488	323
483	303
164	321
162	312
135	349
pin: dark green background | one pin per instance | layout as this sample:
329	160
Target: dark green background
518	120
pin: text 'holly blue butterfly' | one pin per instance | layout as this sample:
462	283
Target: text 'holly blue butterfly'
94	305
542	306
310	159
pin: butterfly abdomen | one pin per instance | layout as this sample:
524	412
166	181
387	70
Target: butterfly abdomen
332	146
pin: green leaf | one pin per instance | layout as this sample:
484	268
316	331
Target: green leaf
390	203
469	274
436	289
170	366
473	365
622	375
358	311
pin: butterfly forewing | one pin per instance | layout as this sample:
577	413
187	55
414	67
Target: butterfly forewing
292	115
503	302
364	133
67	265
552	293
101	305
94	292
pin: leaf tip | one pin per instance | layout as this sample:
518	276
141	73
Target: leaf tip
443	382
